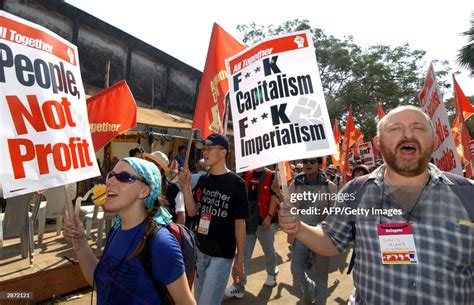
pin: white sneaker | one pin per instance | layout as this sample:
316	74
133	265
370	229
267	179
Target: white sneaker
233	292
271	279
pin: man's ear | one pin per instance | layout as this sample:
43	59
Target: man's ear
144	192
377	142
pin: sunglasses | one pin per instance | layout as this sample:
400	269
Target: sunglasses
312	161
125	177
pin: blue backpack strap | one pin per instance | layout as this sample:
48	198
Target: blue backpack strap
358	187
463	188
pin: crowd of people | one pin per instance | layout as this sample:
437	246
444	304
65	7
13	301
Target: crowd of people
430	262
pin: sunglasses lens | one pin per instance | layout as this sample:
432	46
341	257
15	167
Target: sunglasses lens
124	177
121	176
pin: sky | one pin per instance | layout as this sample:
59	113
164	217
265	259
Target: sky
183	28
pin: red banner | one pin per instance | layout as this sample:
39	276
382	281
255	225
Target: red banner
214	87
337	138
349	136
463	111
380	111
111	112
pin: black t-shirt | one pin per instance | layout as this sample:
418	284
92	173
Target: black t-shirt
224	197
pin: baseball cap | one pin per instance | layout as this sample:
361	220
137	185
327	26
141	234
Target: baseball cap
217	139
159	158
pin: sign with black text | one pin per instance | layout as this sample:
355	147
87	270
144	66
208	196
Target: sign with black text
278	107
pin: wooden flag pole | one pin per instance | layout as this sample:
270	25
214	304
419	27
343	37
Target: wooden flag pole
226	114
69	210
188	149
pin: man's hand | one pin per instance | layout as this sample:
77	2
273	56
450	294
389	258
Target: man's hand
289	223
185	178
267	222
238	272
276	188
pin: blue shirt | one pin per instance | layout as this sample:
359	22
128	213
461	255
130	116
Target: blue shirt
119	281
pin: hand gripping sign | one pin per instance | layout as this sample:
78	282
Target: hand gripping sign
277	101
44	137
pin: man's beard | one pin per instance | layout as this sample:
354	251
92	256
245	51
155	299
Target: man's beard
404	168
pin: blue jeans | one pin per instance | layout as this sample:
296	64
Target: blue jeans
266	239
314	283
211	278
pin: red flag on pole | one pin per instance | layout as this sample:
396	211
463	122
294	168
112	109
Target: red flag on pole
358	138
214	87
380	111
337	138
462	107
349	133
288	172
111	112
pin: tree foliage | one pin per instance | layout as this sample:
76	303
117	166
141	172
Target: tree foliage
361	77
466	54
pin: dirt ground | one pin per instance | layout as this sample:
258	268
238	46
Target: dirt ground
284	293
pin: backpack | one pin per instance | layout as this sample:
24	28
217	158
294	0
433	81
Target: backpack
187	243
459	185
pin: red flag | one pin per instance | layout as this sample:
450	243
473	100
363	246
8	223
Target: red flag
288	172
462	106
337	138
358	138
349	133
210	102
325	163
111	112
380	111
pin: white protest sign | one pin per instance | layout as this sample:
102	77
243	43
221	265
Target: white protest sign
278	107
445	154
367	154
44	137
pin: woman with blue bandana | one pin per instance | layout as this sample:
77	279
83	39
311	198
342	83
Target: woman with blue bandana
119	276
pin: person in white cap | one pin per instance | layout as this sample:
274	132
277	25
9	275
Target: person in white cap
174	199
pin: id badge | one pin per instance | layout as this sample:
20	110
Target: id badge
397	245
204	223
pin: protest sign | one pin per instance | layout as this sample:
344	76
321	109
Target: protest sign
44	137
277	102
445	155
367	154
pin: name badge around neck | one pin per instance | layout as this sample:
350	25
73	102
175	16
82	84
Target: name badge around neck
397	245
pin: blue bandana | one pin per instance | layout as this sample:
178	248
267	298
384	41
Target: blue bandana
150	172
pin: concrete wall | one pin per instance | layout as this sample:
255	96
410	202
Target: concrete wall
150	73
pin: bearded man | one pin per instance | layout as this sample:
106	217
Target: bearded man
410	222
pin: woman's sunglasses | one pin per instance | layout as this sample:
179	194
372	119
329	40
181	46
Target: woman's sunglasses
125	177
